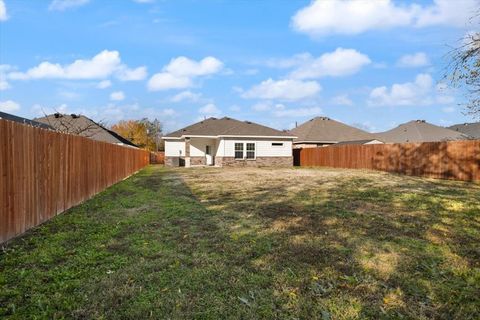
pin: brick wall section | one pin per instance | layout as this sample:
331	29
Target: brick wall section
258	162
174	161
197	161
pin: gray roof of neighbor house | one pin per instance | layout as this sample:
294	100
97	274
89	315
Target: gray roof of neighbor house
29	122
341	143
227	127
471	129
323	129
419	131
83	126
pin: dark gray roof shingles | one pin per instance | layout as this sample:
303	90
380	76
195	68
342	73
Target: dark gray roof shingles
227	127
78	123
471	129
323	129
419	131
33	123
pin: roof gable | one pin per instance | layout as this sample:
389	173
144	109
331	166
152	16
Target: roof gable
420	131
323	129
226	127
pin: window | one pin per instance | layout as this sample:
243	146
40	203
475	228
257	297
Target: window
277	144
238	150
250	150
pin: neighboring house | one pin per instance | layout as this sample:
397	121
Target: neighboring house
420	131
321	131
359	142
83	126
228	142
26	121
470	129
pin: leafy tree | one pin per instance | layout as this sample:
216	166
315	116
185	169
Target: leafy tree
144	133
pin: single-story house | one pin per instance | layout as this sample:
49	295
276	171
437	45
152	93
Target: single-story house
420	131
323	131
470	129
228	142
83	126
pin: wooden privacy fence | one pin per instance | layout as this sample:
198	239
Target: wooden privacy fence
43	173
459	160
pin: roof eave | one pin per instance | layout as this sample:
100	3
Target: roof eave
227	136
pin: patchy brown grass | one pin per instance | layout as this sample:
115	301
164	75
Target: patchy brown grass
215	243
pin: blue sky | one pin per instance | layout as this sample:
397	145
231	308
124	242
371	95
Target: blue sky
373	64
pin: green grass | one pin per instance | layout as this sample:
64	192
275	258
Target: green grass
253	243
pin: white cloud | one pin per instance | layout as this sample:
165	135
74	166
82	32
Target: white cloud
210	110
101	66
404	94
3	11
166	81
181	71
104	84
297	112
144	1
61	5
117	96
4	68
354	17
186	96
342	100
419	59
447	12
340	62
262	106
9	106
126	74
183	66
288	89
4	85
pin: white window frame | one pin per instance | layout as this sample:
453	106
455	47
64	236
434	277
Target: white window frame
244	150
254	151
235	150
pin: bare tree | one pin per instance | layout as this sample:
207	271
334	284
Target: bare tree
73	124
463	70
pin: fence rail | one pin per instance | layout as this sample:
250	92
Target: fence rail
459	160
43	173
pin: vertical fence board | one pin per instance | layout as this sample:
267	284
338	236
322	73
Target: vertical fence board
43	173
458	160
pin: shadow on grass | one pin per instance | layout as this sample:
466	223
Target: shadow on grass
174	244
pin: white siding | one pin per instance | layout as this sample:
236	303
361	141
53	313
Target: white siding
197	146
174	147
263	147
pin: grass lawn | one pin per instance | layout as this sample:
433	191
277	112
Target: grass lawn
254	243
